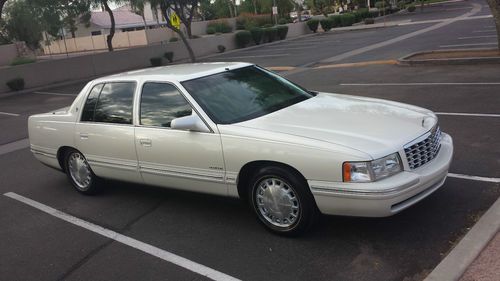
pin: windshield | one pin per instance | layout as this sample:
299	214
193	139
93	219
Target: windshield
243	94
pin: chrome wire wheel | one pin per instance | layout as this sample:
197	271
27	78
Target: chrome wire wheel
79	171
277	202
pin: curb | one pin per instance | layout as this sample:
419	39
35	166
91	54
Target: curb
453	266
407	60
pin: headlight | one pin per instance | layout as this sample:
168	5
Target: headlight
372	170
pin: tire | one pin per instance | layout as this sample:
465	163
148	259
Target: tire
80	174
282	201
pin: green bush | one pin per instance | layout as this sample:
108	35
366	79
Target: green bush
313	24
363	13
346	19
221	48
335	20
282	21
381	4
411	8
250	20
326	24
221	26
257	34
268	25
156	61
401	4
173	39
16	84
169	56
282	31
369	21
270	34
373	14
22	60
210	30
243	38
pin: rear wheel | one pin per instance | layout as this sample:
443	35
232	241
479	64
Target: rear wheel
282	201
80	174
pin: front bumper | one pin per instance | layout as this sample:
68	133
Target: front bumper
388	196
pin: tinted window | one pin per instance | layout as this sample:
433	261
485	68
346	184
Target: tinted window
89	107
243	94
115	103
161	103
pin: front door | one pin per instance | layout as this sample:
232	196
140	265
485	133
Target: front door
174	158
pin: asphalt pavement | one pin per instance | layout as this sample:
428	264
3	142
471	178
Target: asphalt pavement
222	233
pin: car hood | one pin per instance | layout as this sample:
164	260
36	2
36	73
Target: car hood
373	126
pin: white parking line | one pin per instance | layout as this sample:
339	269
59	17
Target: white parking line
141	246
421	84
474	178
257	56
10	114
468	114
467	45
476	37
54	94
13	146
280	49
482	31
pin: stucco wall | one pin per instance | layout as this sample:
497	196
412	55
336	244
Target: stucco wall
7	53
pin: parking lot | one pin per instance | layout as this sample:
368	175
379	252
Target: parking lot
135	232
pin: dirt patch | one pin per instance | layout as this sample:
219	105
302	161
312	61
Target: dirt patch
462	54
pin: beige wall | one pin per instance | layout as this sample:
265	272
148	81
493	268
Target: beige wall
7	54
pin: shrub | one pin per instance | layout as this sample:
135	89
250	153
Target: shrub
335	20
313	24
373	14
369	21
267	25
250	20
22	60
282	21
411	8
210	30
221	48
257	33
169	56
282	31
270	34
15	84
346	19
173	39
401	4
221	26
380	5
326	24
363	13
243	38
156	61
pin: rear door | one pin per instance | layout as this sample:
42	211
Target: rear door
105	132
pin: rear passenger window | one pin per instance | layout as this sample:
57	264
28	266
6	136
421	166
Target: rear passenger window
89	107
115	102
161	103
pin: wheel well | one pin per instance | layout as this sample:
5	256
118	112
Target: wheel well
249	169
61	152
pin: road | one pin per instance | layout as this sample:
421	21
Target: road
221	233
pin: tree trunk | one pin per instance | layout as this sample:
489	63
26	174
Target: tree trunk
188	47
254	6
109	38
495	11
163	9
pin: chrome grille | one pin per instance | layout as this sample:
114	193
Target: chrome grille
420	153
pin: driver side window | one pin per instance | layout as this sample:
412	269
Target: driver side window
161	103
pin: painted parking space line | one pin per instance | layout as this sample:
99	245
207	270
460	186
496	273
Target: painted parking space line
280	49
131	242
483	31
424	84
468	114
54	94
355	64
477	37
474	178
468	45
9	114
256	56
13	146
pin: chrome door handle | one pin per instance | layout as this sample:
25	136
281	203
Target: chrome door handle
145	142
84	136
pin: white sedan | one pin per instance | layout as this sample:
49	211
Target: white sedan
236	129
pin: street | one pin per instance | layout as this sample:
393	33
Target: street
222	233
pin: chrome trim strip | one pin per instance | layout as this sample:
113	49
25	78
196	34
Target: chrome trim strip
182	172
380	192
163	172
112	165
50	155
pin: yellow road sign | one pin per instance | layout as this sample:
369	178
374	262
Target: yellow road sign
175	20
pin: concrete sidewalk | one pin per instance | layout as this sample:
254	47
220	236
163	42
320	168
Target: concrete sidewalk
477	256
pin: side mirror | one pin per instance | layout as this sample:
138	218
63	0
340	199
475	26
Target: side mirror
190	123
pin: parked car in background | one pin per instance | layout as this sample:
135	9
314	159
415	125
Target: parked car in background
236	129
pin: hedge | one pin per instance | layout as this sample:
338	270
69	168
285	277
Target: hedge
15	84
257	34
313	24
220	26
282	31
347	19
270	34
243	38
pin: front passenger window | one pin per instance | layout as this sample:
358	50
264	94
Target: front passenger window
161	103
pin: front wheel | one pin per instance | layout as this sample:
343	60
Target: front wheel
282	201
80	174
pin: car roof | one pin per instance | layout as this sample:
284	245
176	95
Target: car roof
179	72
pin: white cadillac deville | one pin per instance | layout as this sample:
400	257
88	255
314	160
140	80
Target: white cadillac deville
236	129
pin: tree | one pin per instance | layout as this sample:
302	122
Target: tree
22	23
495	11
138	8
2	3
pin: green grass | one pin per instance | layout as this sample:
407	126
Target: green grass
22	60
